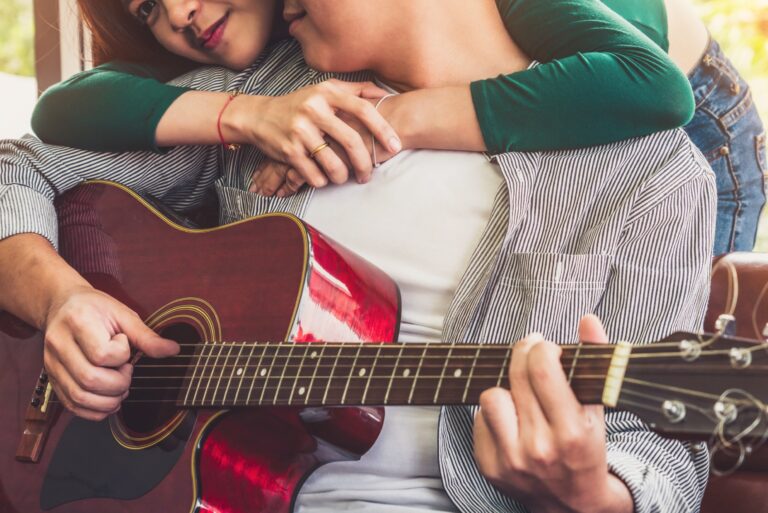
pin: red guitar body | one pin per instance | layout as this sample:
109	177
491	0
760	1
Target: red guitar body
270	278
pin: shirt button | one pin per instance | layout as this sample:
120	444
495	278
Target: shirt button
735	89
707	60
725	151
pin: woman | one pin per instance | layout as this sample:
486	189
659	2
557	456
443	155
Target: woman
601	82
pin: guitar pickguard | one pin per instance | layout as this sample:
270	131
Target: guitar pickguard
89	463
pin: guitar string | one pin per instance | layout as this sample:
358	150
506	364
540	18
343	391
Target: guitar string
330	378
725	366
678	390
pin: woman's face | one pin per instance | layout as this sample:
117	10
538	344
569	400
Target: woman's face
229	33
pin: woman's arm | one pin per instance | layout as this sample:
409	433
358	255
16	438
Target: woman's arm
122	106
113	107
601	80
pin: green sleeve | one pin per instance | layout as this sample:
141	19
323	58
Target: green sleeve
113	107
602	80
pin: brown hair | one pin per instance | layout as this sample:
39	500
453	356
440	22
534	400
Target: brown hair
119	36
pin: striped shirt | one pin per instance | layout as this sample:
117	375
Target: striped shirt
624	231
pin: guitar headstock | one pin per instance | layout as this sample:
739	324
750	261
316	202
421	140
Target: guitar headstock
710	386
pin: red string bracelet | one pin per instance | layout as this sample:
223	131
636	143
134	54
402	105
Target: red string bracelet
229	146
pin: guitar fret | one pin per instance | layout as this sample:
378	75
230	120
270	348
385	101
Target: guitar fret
370	374
220	347
471	374
223	368
318	361
195	373
416	377
394	371
266	372
504	366
256	372
245	371
331	376
235	369
351	373
278	389
201	375
573	363
302	390
442	374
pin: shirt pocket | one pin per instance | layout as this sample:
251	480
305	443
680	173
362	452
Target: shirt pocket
549	293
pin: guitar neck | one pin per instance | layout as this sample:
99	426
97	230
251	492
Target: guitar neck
227	375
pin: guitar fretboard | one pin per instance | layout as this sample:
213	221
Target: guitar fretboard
236	374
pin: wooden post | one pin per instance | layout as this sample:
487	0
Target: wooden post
58	41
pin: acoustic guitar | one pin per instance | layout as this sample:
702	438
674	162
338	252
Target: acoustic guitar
235	423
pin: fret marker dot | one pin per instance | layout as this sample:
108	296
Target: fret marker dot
313	355
406	373
239	372
361	373
302	390
457	373
263	372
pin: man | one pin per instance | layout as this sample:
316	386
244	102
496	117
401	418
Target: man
482	251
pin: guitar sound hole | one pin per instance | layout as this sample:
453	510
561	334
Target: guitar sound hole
158	384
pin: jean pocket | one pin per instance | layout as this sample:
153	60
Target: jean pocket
549	293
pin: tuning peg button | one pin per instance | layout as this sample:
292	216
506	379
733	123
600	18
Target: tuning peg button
674	411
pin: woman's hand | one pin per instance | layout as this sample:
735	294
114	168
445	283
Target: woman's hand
280	179
289	128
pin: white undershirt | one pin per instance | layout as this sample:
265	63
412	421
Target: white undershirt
419	219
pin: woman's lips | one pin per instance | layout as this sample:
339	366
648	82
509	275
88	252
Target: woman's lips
212	37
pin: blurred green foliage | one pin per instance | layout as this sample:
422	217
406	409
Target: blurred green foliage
16	37
741	27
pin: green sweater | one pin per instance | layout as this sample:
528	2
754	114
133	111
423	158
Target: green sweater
601	80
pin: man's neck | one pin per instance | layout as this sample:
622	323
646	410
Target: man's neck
452	45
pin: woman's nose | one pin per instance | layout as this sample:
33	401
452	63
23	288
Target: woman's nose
182	13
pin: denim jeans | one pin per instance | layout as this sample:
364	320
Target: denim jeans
727	129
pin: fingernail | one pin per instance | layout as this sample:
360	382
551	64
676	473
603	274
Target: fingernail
394	144
280	194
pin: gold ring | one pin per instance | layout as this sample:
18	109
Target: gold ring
318	150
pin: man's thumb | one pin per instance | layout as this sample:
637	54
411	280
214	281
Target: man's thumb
147	341
591	330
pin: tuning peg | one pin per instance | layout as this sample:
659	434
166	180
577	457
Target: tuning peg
726	325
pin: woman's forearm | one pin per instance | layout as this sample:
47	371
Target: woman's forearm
441	119
193	118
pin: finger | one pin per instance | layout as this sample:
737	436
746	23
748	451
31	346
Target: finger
293	182
353	144
362	89
371	118
532	419
553	392
271	178
591	330
330	163
308	169
88	377
67	387
146	340
499	415
485	449
98	346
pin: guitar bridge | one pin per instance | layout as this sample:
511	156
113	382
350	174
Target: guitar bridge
38	420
